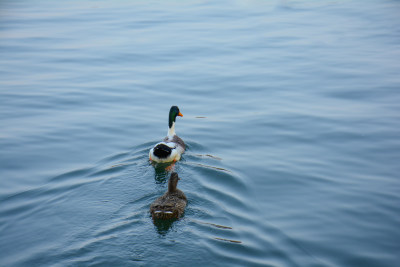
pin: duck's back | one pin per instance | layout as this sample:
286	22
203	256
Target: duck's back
169	206
177	140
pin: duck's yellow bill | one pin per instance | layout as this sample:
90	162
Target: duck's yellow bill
180	114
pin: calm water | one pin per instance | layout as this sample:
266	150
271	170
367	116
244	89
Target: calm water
291	117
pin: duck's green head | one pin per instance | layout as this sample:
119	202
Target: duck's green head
173	113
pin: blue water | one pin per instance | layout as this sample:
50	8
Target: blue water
291	118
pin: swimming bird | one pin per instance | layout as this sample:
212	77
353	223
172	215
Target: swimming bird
172	147
172	204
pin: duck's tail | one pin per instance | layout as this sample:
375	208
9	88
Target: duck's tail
164	214
162	150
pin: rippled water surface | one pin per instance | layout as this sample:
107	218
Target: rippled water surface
291	118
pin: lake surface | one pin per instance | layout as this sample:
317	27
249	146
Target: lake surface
291	113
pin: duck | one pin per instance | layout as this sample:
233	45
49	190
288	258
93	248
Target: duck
172	204
172	147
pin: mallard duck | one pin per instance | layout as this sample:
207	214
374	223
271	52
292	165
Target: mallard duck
172	147
172	204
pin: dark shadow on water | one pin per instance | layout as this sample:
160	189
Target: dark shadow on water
161	172
163	226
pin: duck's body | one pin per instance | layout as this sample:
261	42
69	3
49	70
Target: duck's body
172	147
172	204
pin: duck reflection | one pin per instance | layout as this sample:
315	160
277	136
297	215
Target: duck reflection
163	226
161	172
